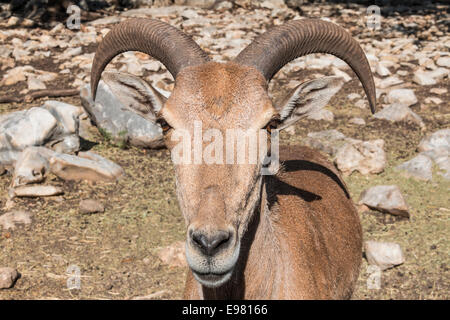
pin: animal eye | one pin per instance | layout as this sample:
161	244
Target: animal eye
164	125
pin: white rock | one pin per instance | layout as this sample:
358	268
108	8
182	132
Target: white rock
340	64
438	91
196	3
35	191
439	140
382	70
357	121
328	141
367	157
430	77
399	112
35	84
337	72
273	4
433	100
31	127
389	82
223	5
91	206
13	21
55	124
373	61
444	165
361	103
319	63
189	14
427	63
440	73
420	167
385	198
8	277
353	96
322	114
424	78
443	62
31	166
86	166
66	114
404	97
15	75
109	114
383	254
10	219
153	66
70	52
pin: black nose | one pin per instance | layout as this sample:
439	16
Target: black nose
211	244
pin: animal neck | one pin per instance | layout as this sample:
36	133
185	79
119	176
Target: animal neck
255	272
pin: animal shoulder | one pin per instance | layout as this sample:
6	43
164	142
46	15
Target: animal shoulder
306	173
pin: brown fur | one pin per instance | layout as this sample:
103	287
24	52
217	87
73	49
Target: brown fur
306	246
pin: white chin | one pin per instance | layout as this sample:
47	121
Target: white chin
212	280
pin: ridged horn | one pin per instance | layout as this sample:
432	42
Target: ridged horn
278	46
160	40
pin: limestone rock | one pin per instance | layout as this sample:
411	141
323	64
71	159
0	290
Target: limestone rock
357	121
385	198
109	114
427	78
31	166
35	191
55	124
367	157
8	277
322	114
10	219
437	147
30	127
437	140
420	167
86	166
91	206
399	112
328	141
388	82
443	62
405	97
383	254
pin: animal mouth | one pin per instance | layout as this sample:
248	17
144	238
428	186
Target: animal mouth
212	279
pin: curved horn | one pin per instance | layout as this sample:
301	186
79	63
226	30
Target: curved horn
274	49
160	40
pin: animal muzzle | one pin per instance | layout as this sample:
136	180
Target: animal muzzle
212	254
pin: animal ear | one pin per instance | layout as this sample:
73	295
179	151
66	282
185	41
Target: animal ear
135	94
307	98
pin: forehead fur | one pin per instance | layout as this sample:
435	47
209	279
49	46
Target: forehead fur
226	91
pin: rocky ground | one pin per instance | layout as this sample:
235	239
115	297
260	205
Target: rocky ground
124	236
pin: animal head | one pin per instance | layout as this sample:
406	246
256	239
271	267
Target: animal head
221	102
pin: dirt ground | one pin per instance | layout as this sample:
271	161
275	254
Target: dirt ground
117	251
